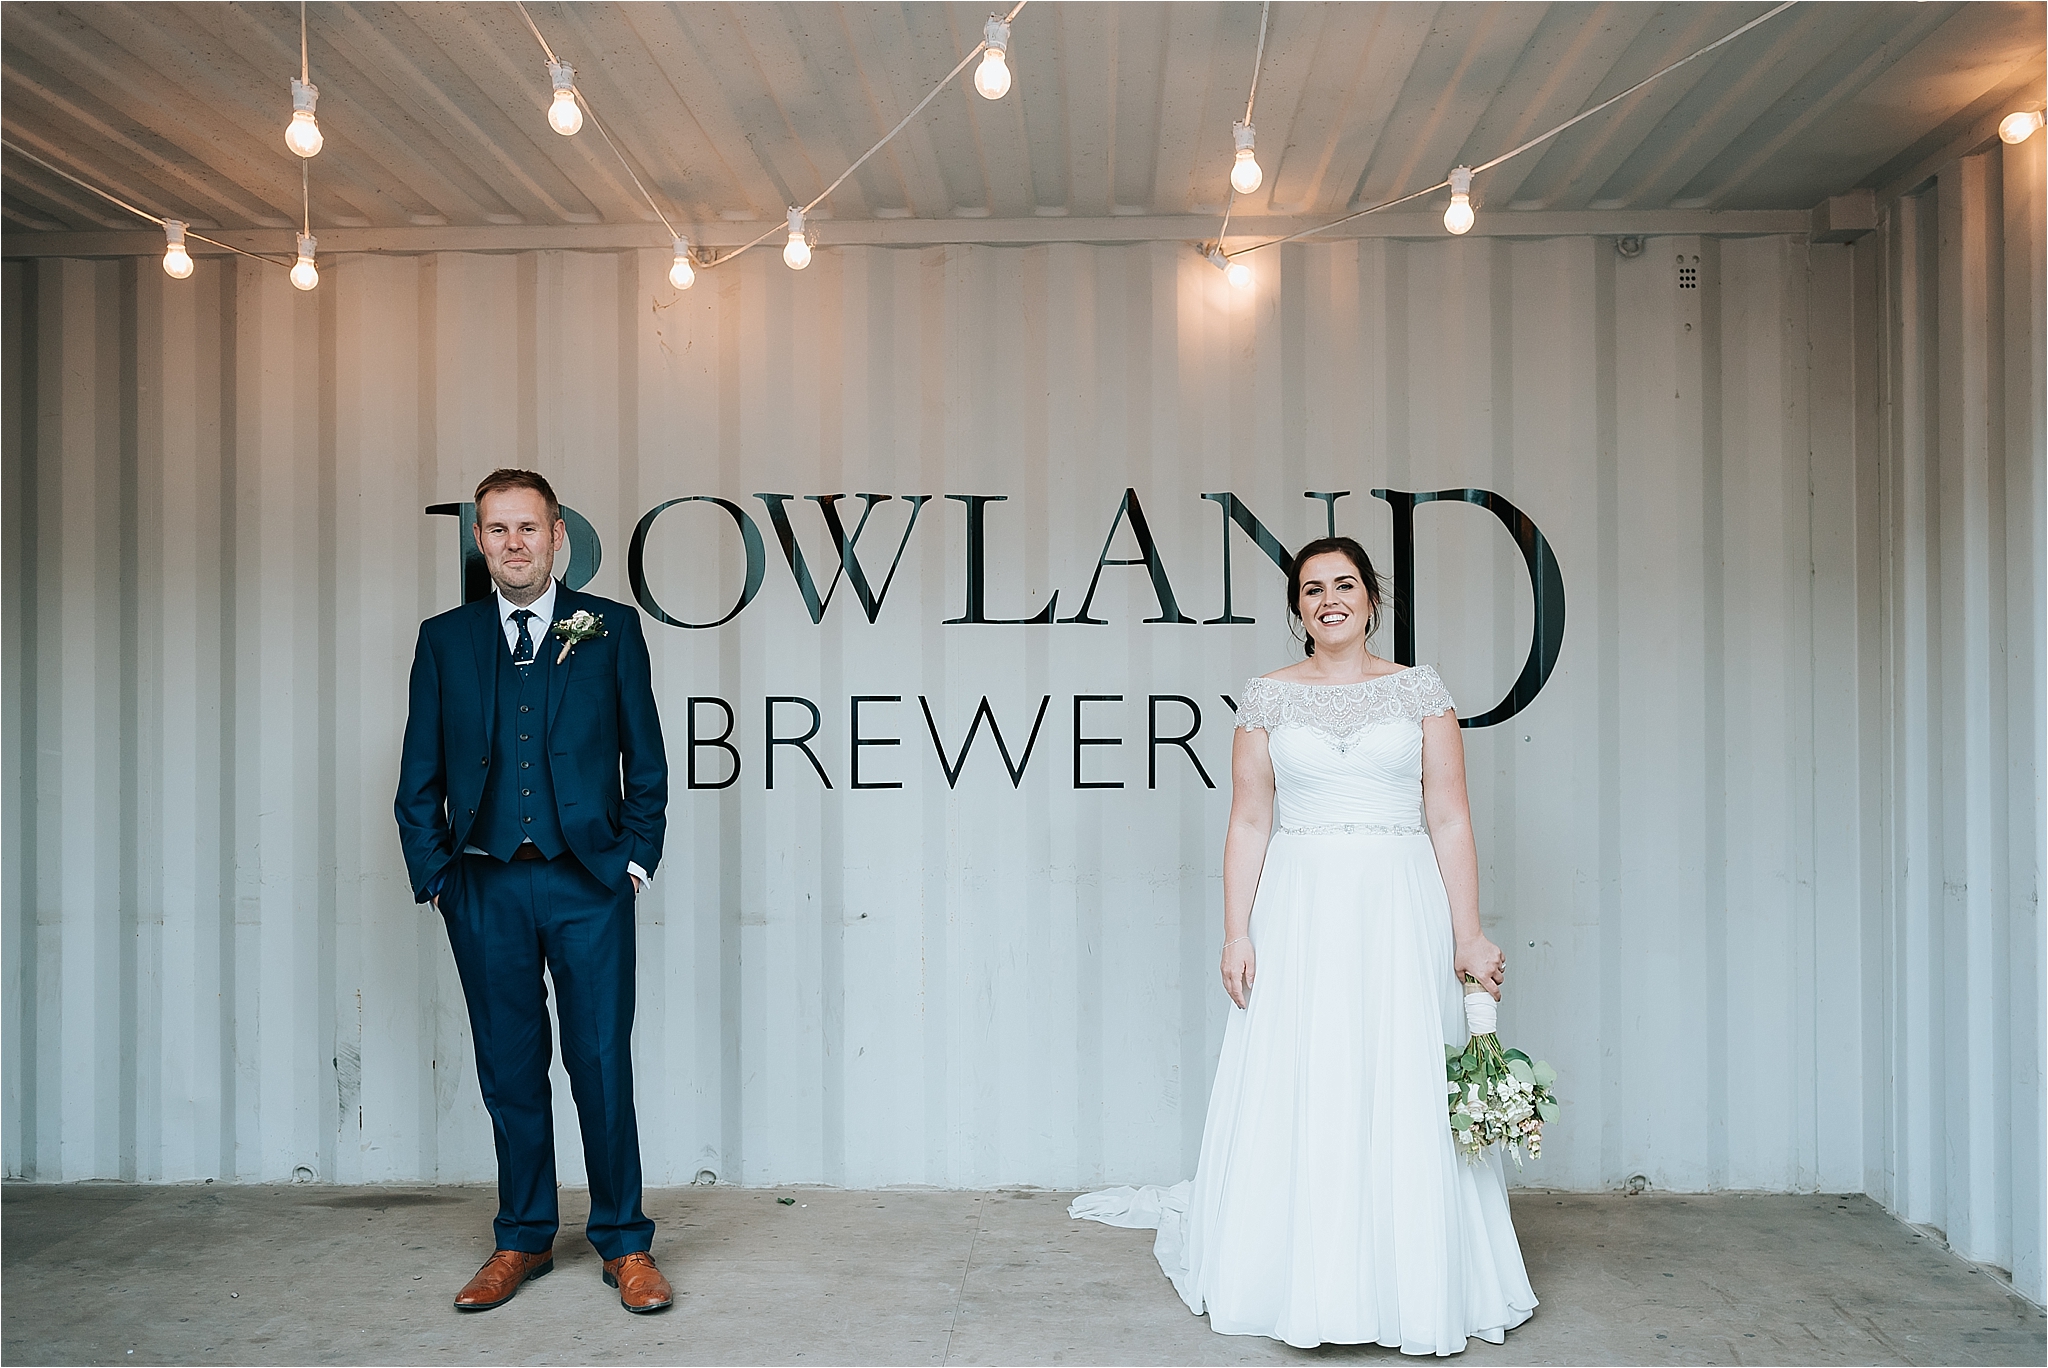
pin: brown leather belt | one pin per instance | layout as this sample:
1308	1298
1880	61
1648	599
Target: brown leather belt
528	851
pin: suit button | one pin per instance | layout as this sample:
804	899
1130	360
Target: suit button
526	793
524	708
529	819
485	761
526	764
524	737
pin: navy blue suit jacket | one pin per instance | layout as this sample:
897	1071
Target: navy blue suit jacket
603	736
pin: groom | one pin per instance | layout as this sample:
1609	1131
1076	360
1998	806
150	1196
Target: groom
531	793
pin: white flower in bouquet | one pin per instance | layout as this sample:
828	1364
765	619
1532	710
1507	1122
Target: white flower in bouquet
1506	1096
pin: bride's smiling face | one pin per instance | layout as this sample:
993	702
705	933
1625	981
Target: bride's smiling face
1335	606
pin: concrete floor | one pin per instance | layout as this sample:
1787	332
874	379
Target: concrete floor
114	1273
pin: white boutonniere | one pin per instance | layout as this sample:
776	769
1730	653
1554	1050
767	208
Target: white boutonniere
581	625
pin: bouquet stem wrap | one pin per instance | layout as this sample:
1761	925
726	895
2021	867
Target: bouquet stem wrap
1497	1096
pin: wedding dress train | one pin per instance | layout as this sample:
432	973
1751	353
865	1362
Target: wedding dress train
1329	1203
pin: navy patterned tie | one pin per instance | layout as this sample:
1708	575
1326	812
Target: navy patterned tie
522	650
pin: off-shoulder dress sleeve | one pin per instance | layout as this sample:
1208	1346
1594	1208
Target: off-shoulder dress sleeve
1260	708
1428	694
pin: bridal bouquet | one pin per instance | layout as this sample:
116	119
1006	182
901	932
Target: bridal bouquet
1497	1096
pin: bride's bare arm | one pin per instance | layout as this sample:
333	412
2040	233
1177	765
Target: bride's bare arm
1244	855
1449	814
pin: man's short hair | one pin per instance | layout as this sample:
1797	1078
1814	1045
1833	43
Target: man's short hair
498	481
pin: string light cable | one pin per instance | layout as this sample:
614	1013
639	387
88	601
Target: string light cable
1239	274
798	216
302	135
796	252
1468	172
305	274
183	228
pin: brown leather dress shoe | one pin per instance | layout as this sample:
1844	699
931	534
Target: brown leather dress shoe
501	1276
641	1286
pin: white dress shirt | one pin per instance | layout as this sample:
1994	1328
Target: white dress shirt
543	610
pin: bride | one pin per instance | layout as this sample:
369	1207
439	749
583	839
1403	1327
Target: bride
1330	1204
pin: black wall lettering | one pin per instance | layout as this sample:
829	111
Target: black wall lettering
849	563
1153	740
853	712
1329	498
722	741
802	743
636	560
952	768
1081	739
977	567
1546	581
1148	556
1234	511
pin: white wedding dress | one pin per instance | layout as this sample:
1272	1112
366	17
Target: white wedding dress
1330	1204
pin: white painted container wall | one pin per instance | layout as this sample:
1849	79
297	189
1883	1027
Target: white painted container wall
1765	854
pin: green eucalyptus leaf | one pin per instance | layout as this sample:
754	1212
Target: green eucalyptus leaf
1460	1121
1545	1075
1547	1109
1517	1054
1522	1072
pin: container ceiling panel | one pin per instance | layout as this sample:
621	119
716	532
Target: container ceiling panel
434	114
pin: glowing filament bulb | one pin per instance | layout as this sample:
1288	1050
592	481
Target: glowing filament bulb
177	261
305	275
1245	175
302	134
2017	128
796	254
682	275
1236	272
992	77
1458	218
565	116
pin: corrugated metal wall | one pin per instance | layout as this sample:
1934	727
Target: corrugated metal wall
216	552
1955	600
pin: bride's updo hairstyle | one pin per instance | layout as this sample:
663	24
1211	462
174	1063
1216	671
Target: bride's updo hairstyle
1325	546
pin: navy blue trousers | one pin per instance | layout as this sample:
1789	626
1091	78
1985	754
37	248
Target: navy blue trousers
506	922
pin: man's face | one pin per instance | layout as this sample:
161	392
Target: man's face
518	541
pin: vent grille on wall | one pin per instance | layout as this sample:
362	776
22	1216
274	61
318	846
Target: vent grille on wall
1688	274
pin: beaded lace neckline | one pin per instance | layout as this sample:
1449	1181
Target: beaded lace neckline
1340	711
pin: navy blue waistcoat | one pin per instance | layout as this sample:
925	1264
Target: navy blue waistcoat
519	797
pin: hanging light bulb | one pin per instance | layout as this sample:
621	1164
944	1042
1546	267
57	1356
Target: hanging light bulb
682	275
1245	175
302	134
1236	272
2017	128
1458	218
305	275
992	77
797	252
565	116
177	261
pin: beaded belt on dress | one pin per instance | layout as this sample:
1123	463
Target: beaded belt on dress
1351	829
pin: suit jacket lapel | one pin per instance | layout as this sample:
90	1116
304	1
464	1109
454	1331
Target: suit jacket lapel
487	636
558	675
